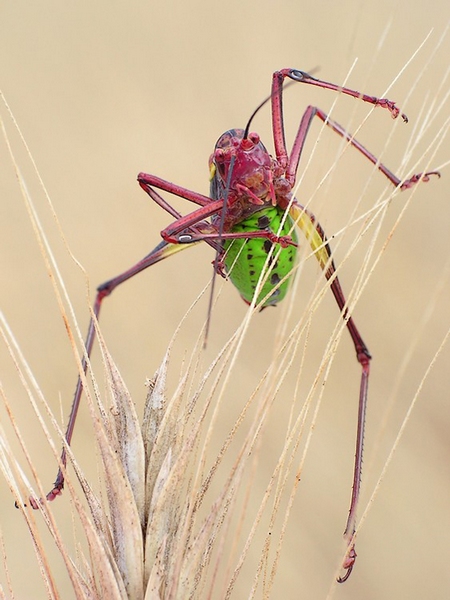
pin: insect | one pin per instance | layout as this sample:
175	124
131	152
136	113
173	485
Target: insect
251	213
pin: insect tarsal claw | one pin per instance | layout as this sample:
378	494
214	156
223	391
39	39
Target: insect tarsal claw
424	177
348	565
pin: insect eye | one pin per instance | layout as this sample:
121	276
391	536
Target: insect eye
254	137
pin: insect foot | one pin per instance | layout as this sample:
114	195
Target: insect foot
419	177
348	564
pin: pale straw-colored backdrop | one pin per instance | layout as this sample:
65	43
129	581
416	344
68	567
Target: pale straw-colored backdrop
104	90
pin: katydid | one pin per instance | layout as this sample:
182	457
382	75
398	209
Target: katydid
250	212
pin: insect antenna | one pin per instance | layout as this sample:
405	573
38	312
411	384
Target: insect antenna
258	108
254	113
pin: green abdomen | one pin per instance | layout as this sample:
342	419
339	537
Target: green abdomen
245	258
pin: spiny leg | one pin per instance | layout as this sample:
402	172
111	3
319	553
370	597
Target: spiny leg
192	227
316	237
297	148
302	77
290	162
193	223
162	251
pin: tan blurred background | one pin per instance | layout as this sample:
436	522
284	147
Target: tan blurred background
104	90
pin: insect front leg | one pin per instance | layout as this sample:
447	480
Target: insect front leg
290	162
186	238
302	77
